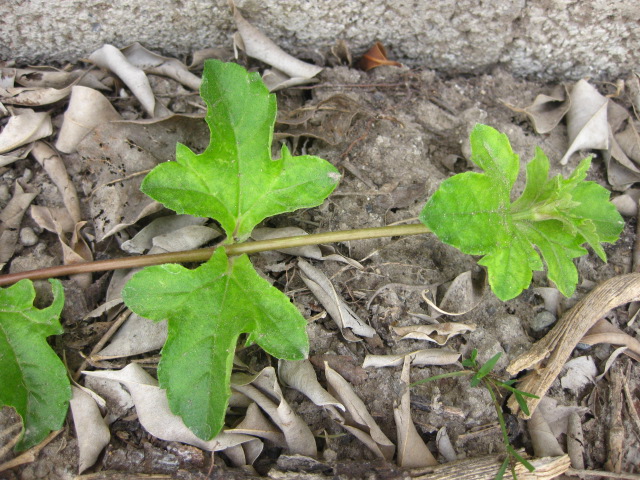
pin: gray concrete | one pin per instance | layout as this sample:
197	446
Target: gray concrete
544	38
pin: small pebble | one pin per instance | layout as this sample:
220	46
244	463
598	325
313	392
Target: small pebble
28	237
542	320
27	175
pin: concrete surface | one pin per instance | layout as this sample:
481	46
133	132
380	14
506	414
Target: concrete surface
541	38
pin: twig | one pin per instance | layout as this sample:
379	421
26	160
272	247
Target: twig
615	438
599	473
31	454
630	405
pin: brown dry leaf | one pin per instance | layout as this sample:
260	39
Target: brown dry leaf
151	62
301	376
55	168
10	219
91	429
47	77
376	56
24	126
629	141
412	451
604	332
357	420
32	96
265	391
87	109
258	46
256	424
112	59
346	366
587	123
346	319
546	111
431	356
154	413
443	331
120	154
543	440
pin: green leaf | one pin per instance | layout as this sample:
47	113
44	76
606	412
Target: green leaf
235	181
485	369
519	457
33	379
208	309
553	217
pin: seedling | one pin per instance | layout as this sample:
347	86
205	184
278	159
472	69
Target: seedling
481	375
237	183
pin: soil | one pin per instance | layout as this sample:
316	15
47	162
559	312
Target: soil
395	134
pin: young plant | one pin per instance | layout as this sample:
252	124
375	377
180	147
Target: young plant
481	374
237	183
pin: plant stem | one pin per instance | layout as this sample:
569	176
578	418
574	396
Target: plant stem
203	254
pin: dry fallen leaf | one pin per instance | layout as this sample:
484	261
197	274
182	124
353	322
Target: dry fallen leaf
327	295
87	109
443	331
464	294
357	420
47	77
544	441
431	356
412	451
262	389
629	141
112	59
580	372
143	240
587	124
245	453
301	376
151	62
376	56
546	111
24	127
32	96
153	410
11	218
604	332
91	430
256	424
258	46
120	154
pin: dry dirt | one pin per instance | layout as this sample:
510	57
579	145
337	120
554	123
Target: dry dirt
395	134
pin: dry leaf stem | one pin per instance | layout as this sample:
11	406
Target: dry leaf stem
203	254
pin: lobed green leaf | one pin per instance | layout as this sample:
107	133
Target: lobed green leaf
33	379
208	308
235	181
553	217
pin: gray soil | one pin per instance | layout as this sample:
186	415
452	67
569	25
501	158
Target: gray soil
395	134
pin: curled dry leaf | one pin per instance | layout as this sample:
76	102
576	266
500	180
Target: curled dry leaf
143	240
443	331
120	154
15	155
151	62
46	77
557	416
357	420
604	332
258	46
301	376
117	399
431	356
262	389
345	365
376	56
256	424
11	218
412	451
245	453
546	111
544	441
464	294
24	126
55	168
112	59
587	123
32	96
153	410
327	295
87	109
445	447
575	441
91	430
549	354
